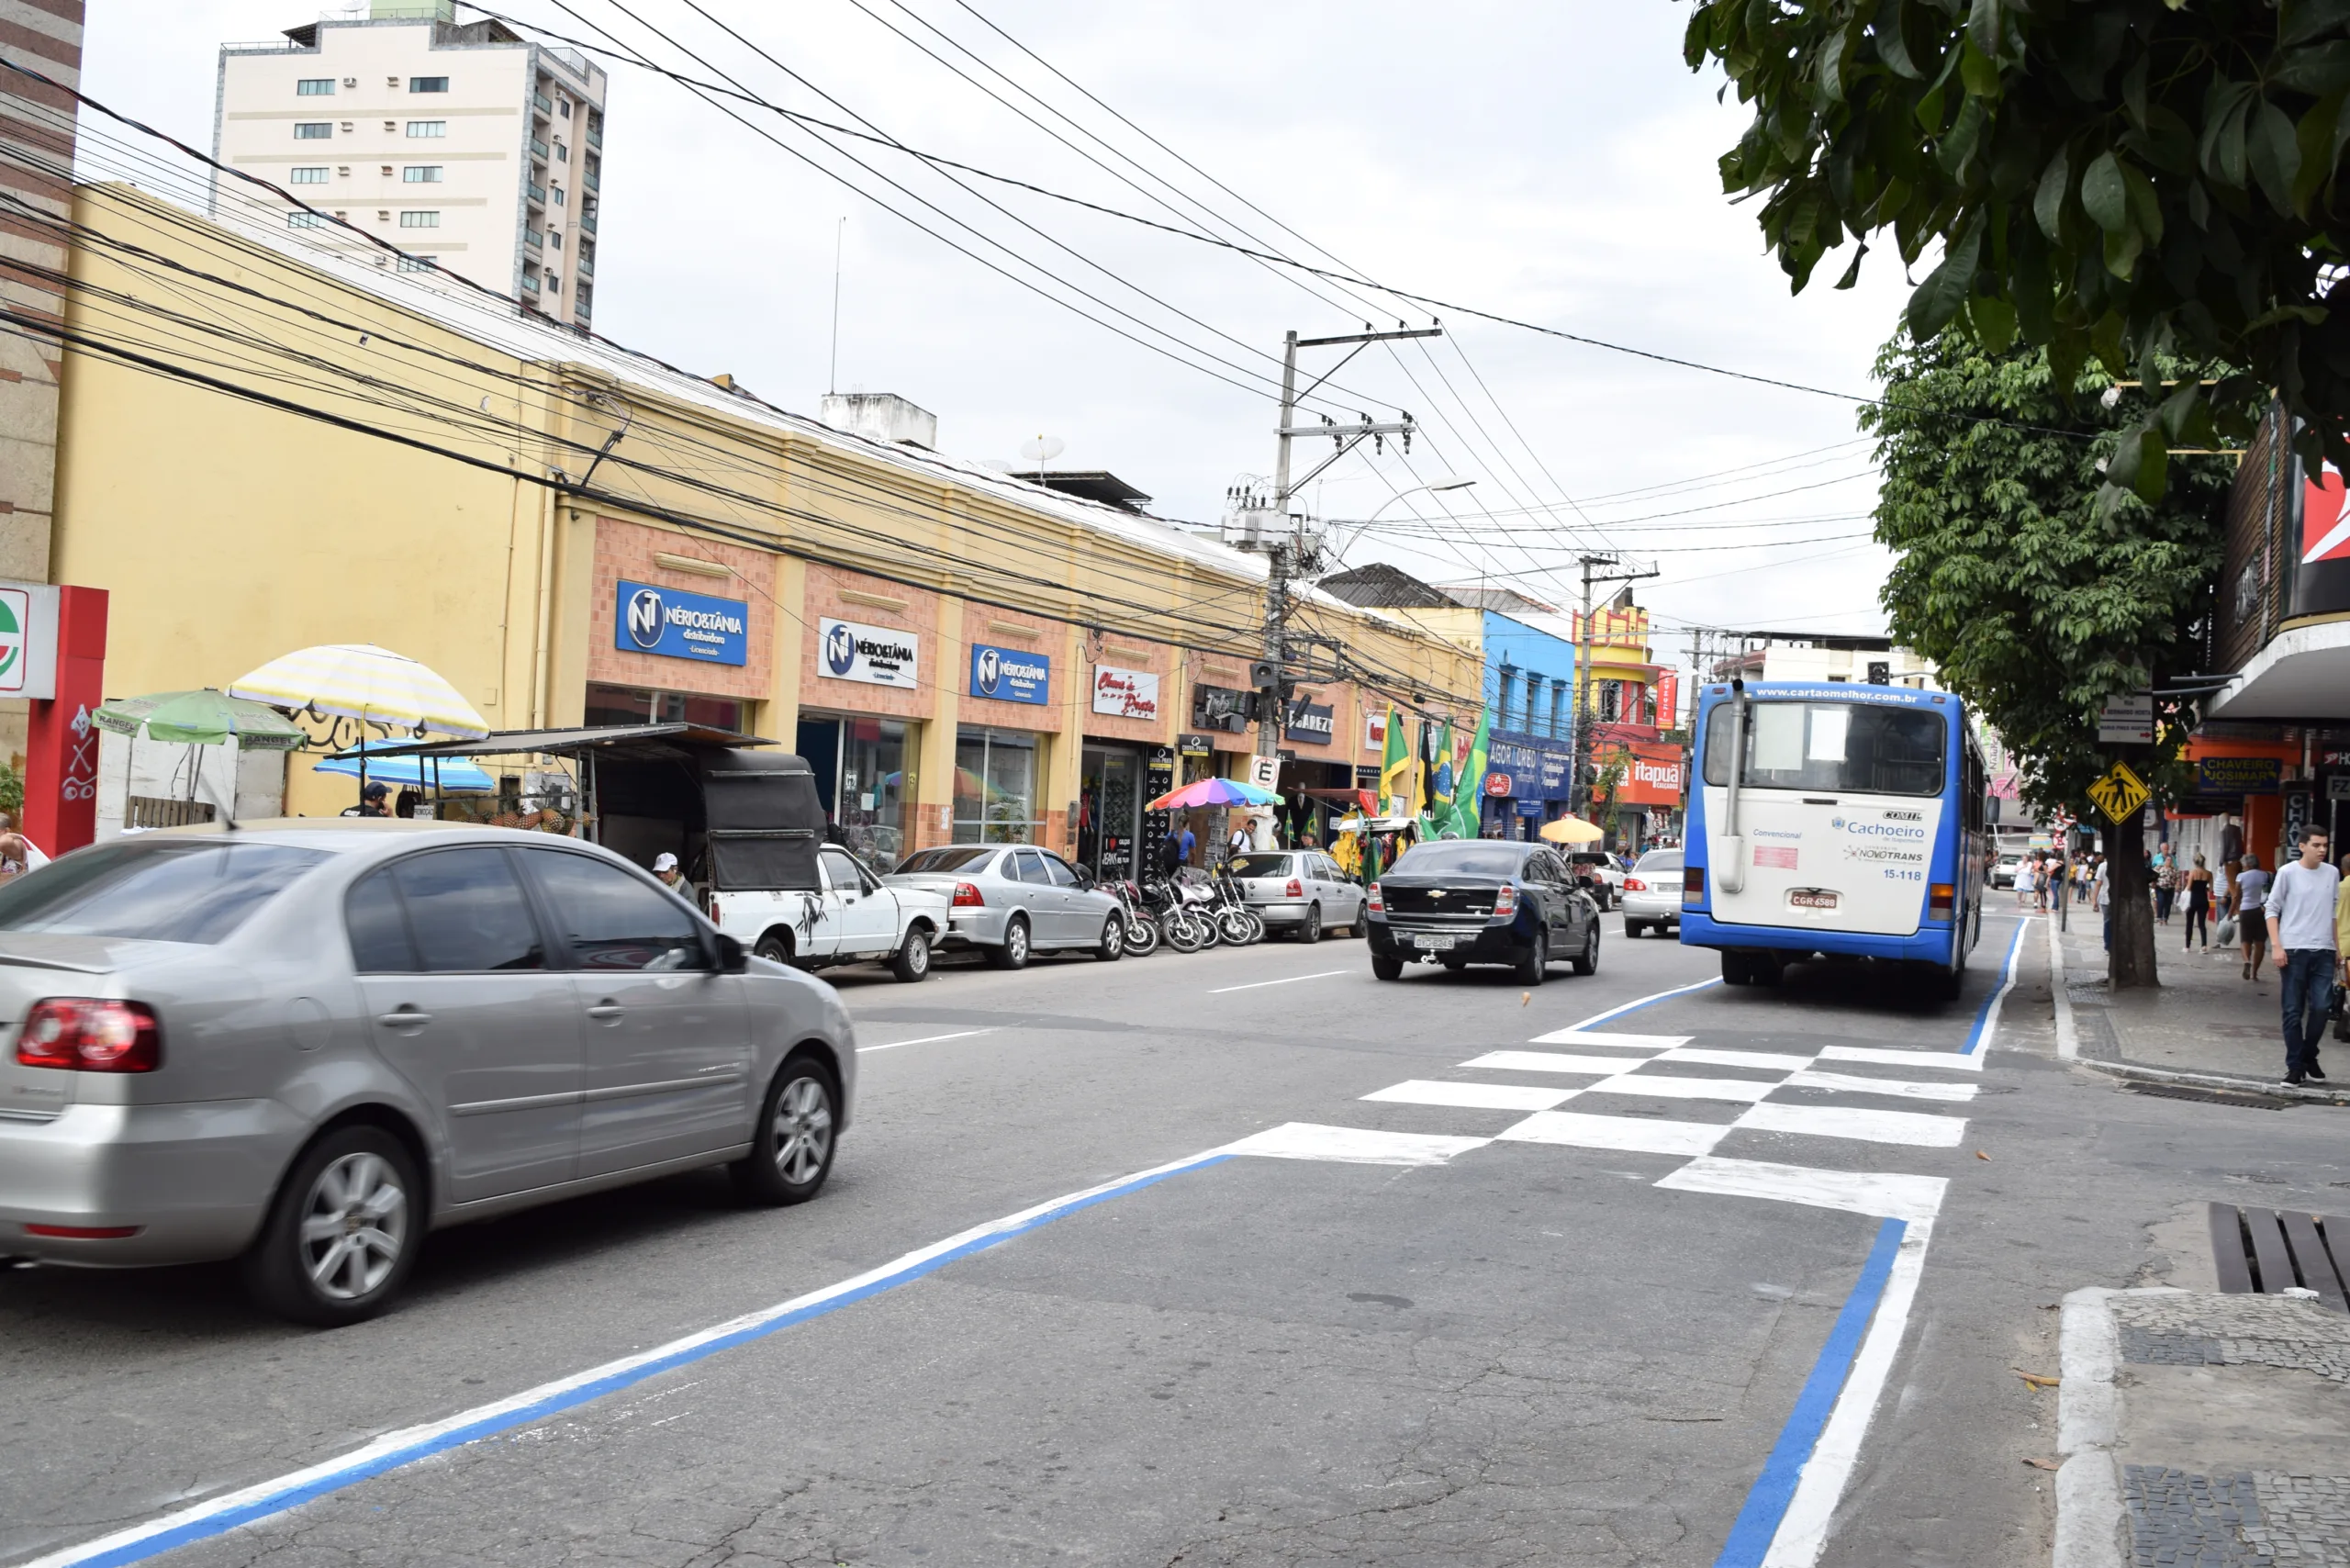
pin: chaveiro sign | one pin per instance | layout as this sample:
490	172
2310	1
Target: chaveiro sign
875	656
1010	675
671	623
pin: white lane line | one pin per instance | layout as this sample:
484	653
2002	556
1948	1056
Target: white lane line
1636	1134
1549	1061
395	1451
1768	1060
1353	1146
1287	980
1473	1096
1624	1042
1648	1000
1655	1085
1850	1084
1886	1196
1803	1529
925	1040
1951	1059
1914	1128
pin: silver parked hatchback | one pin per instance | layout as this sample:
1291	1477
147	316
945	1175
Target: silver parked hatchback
307	1043
1299	890
1652	893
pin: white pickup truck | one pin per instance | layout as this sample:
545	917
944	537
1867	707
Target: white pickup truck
852	919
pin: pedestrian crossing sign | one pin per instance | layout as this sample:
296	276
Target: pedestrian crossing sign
2119	793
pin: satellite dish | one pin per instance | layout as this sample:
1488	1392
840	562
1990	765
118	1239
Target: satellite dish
1043	450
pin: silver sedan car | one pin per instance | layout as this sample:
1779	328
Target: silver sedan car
1301	890
1012	900
304	1043
1650	896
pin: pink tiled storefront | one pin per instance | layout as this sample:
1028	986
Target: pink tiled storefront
626	552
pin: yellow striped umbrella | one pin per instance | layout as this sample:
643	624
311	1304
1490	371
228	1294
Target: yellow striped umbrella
359	680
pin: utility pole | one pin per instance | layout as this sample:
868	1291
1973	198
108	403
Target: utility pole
1582	793
1263	522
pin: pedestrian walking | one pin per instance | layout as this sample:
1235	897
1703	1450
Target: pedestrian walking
1239	844
2165	889
2198	904
1171	852
2302	910
664	866
1185	843
2027	871
2251	899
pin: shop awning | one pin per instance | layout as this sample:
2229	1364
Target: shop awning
645	742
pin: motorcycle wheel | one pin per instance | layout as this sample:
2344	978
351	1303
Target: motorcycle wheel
1208	936
1142	936
1234	926
1182	934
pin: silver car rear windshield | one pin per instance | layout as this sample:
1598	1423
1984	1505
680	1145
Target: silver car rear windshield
1261	866
1833	747
1466	858
160	890
945	857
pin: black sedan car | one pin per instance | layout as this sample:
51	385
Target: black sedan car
1465	901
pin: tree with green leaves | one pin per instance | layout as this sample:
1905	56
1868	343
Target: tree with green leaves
2035	602
2115	180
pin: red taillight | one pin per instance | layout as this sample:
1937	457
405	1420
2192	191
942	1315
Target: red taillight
714	918
1506	901
966	896
84	1232
1939	899
1296	889
1693	884
85	1034
1634	885
1378	904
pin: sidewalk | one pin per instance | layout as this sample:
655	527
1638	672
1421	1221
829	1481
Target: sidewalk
2204	1025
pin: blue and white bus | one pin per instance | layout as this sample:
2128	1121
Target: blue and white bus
1834	818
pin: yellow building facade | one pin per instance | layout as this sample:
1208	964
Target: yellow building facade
263	448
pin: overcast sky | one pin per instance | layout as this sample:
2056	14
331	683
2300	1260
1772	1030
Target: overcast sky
1554	164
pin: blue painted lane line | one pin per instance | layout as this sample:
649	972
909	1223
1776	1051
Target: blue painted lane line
395	1450
1766	1502
1596	1019
1978	1037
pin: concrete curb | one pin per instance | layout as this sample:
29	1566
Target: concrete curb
2278	1090
2090	1527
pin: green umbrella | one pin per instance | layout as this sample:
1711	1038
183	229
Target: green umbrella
199	718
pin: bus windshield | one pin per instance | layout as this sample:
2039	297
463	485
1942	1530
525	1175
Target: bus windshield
1833	747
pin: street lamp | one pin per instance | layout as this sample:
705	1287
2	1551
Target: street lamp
1449	482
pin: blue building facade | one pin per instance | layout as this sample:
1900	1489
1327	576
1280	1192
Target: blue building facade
1530	690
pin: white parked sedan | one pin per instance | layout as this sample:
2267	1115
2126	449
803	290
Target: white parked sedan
1652	893
1299	890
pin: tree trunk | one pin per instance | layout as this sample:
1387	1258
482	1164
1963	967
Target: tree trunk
2130	897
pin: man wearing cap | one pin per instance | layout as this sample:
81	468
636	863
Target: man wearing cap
372	801
664	866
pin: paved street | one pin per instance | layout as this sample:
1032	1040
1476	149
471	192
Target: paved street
1538	1329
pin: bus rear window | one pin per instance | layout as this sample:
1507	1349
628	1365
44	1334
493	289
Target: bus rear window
1852	747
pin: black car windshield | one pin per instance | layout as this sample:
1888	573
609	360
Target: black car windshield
161	890
945	857
1261	866
1462	858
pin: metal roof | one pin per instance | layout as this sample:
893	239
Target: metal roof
641	740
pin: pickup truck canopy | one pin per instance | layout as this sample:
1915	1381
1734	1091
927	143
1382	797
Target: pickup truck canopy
754	815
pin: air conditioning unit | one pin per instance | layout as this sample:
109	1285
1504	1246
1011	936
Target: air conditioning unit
351	81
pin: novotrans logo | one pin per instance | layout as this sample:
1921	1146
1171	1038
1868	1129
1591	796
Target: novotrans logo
644	618
987	670
840	649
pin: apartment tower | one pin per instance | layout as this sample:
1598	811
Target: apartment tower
467	146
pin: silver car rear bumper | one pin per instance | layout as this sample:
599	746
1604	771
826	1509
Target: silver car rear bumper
193	1178
981	927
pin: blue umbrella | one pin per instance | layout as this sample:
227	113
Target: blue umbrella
452	773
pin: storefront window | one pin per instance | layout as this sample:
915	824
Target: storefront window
871	806
608	706
995	787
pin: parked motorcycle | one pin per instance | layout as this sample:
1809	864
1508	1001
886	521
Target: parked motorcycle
1143	934
1179	922
1238	924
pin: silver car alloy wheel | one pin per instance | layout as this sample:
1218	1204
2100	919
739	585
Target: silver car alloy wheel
1015	941
354	1226
803	1130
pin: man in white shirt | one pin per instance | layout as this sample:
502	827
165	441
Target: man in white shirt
2300	907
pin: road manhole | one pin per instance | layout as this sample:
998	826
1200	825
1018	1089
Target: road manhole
2213	1096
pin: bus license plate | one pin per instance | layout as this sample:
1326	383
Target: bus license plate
1434	944
1812	898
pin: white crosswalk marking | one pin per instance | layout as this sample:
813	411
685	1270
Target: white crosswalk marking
1906	1089
1762	1060
1353	1146
1954	1060
1633	1134
1869	1126
1475	1096
1595	1038
1658	1086
1551	1061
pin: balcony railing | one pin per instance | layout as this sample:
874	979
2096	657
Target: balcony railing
584	264
533	237
595	139
538	147
588	221
545	104
591	180
538	193
530	283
